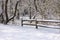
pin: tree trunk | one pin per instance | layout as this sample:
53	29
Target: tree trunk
2	12
6	14
7	19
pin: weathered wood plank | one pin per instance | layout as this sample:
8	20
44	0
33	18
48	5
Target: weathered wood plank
58	21
28	24
40	25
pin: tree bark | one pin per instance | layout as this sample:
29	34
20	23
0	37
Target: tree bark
14	12
7	18
2	12
6	14
35	5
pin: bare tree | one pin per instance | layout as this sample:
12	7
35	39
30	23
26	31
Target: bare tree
18	15
30	9
35	5
2	16
6	14
7	18
35	8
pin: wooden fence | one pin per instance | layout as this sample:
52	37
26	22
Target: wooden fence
35	22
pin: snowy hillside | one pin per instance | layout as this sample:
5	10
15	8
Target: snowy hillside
12	32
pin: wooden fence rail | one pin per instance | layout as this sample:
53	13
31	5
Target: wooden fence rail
36	23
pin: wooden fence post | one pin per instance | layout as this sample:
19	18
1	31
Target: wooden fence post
21	22
36	24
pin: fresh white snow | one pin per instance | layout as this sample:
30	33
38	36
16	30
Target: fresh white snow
15	32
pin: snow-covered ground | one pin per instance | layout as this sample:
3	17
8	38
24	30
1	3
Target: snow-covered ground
14	32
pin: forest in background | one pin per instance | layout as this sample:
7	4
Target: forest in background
35	9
